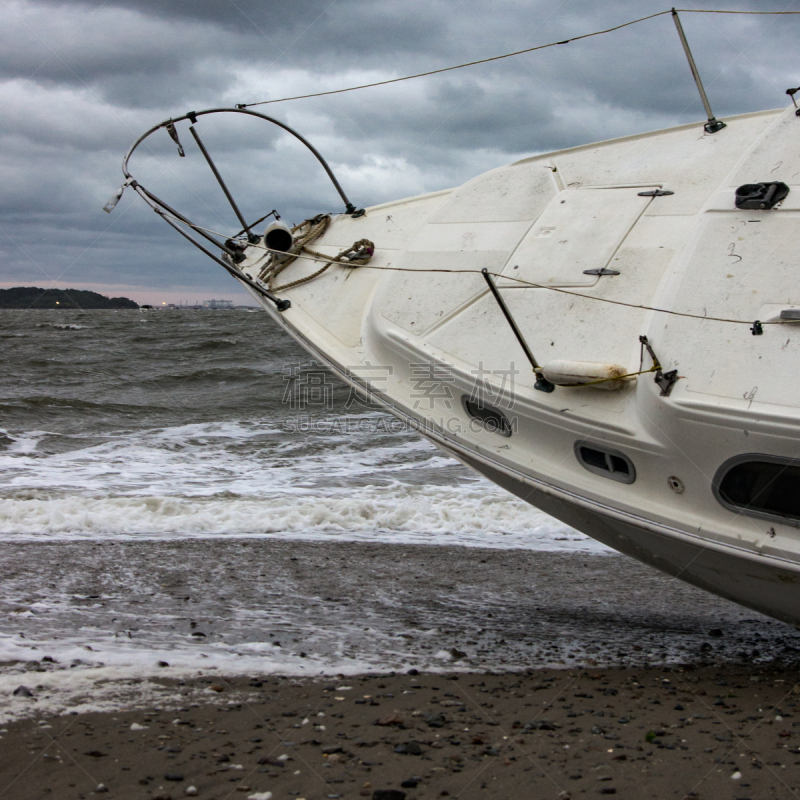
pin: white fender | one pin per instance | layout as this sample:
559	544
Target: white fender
580	373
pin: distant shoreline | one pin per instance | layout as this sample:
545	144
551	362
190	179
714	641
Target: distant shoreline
32	297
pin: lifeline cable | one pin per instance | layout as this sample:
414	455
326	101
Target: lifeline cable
509	55
330	260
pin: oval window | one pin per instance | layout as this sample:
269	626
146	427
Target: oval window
760	486
608	463
489	417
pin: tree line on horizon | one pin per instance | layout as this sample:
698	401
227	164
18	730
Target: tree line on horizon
33	297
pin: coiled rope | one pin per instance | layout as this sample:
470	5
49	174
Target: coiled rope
357	255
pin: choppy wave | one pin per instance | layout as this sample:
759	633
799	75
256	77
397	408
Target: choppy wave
428	516
184	433
242	457
250	478
214	344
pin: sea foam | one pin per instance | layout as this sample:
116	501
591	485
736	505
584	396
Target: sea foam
478	516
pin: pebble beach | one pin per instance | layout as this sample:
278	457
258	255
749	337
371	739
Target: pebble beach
346	670
710	732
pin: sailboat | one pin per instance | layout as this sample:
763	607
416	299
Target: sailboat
609	332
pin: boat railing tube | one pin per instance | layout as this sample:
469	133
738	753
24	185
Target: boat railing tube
192	117
277	235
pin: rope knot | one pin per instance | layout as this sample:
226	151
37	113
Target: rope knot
304	234
357	254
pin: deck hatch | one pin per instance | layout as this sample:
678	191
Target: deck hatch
603	461
760	486
578	232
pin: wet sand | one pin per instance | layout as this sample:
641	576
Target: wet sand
342	670
305	608
710	732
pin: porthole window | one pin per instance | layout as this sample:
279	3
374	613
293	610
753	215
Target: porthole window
608	463
760	486
488	417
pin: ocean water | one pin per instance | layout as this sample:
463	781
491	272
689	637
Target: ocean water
189	489
199	423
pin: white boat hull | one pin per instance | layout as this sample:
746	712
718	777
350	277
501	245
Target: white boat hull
763	584
594	248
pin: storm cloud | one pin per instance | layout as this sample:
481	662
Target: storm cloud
80	81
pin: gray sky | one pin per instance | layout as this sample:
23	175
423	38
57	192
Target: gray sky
80	81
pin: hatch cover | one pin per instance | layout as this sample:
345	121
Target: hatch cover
579	230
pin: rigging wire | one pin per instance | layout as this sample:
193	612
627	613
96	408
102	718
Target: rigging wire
723	11
507	55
